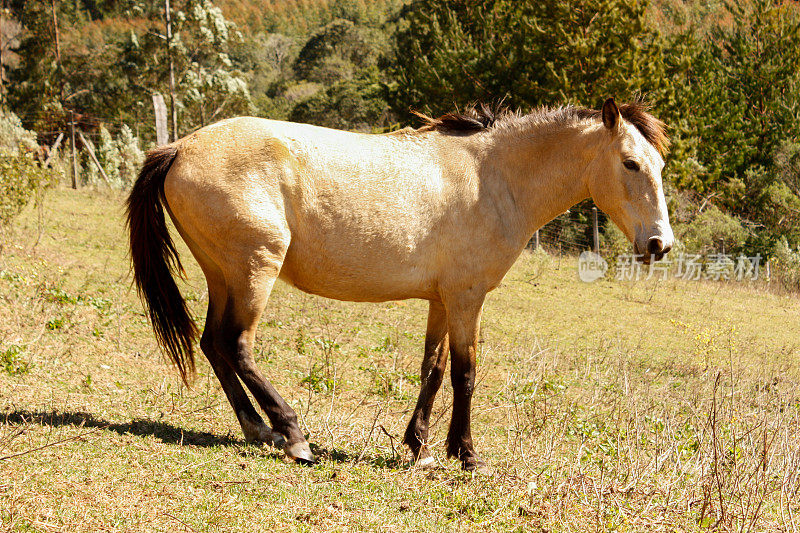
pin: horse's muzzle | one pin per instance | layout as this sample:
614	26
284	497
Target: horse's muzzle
656	250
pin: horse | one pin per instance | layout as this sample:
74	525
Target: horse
439	213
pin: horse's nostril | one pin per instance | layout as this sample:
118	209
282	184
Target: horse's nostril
655	246
666	249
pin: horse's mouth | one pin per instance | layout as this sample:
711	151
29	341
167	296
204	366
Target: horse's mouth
647	259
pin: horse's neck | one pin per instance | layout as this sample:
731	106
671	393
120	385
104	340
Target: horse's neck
543	168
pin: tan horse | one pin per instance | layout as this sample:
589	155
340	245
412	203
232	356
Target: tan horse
439	213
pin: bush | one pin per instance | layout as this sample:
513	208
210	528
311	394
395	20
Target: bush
13	137
785	265
712	231
21	175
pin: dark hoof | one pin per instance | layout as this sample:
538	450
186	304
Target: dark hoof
477	466
300	452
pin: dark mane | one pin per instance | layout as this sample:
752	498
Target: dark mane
478	117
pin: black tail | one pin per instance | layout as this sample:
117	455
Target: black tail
155	261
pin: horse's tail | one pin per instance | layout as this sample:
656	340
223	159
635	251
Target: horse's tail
155	260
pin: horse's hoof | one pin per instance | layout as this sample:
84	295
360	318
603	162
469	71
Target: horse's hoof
425	463
300	452
476	467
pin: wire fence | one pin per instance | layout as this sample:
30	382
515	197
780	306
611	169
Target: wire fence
572	232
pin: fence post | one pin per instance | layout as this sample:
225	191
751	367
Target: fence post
596	231
94	158
54	149
536	240
160	110
72	147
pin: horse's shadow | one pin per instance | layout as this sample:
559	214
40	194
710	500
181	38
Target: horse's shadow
170	434
141	427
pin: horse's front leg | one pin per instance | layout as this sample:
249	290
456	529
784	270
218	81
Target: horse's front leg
433	367
463	321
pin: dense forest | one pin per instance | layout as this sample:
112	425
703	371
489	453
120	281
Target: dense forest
722	75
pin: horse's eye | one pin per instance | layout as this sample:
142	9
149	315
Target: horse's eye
631	165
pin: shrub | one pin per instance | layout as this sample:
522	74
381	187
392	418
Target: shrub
785	265
713	231
131	156
21	176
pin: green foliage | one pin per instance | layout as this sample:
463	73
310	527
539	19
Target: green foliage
332	52
735	100
131	156
11	361
712	231
785	263
355	104
13	137
301	17
722	74
318	380
208	84
332	78
55	324
121	158
108	155
21	175
530	53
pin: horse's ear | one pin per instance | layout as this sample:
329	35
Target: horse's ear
610	114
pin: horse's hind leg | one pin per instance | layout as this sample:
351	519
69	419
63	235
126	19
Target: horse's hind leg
433	366
247	294
253	426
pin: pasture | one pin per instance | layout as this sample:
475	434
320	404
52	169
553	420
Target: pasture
611	406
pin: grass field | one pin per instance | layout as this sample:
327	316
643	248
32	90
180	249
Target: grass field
648	406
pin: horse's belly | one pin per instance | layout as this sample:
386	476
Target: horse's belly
356	275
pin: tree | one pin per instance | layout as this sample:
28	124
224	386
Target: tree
334	52
356	104
737	103
208	84
530	53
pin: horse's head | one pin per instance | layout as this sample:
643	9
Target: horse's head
625	178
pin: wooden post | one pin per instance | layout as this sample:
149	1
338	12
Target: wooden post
536	240
72	147
160	110
96	162
53	149
173	108
596	231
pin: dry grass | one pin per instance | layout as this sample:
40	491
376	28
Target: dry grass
655	406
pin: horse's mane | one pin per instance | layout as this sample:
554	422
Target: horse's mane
475	117
481	117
